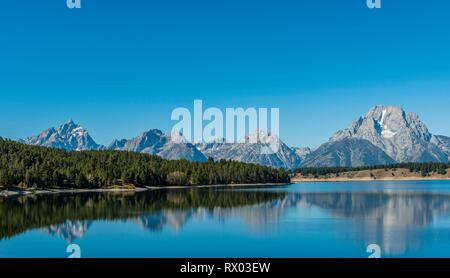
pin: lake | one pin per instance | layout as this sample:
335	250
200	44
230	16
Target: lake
405	219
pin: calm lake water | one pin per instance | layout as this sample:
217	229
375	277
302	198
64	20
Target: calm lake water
406	219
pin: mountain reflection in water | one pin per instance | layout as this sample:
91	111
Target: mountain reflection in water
394	220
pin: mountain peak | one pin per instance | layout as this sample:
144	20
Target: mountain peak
390	108
155	142
69	127
69	136
153	132
401	135
70	123
258	147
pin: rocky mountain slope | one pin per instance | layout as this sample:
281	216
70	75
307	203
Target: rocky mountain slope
303	153
257	147
401	135
348	152
385	130
443	143
156	142
69	136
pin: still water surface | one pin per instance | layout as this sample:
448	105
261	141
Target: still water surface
406	219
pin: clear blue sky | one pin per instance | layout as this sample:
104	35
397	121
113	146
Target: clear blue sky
120	67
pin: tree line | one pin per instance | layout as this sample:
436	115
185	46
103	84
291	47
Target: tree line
35	167
424	168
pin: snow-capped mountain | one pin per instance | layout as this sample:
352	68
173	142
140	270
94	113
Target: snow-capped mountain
155	142
385	135
69	136
258	147
402	136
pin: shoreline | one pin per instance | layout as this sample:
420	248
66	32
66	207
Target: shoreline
374	175
302	180
48	191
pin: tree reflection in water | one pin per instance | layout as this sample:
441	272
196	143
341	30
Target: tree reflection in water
395	221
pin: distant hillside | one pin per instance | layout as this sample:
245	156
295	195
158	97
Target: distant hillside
347	153
403	171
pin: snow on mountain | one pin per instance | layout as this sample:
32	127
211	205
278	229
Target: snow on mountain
303	153
69	136
258	147
401	135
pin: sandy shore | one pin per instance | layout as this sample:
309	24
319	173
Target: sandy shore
8	193
373	175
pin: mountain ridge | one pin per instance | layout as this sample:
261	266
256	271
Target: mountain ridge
69	136
157	143
258	147
384	135
403	136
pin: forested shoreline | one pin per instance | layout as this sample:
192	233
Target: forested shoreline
30	167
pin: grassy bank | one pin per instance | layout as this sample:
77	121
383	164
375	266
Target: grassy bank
385	174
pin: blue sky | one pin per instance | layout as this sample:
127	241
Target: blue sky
121	67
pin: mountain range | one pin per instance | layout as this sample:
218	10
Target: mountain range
155	142
261	152
385	135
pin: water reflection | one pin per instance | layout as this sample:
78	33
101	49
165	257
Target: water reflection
69	230
174	219
394	220
68	216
